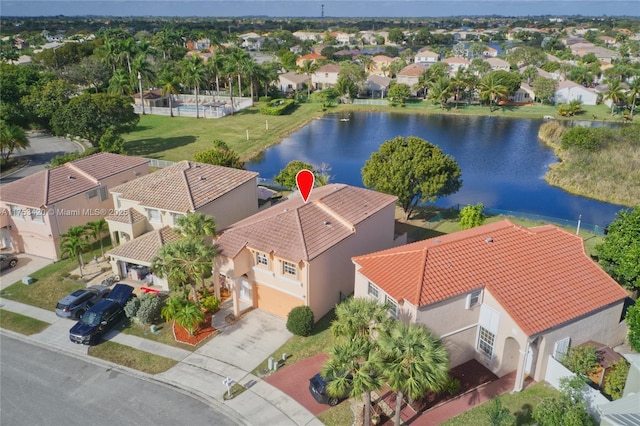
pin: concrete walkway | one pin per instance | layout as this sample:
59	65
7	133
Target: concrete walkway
237	350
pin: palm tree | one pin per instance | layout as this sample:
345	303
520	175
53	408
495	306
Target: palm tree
215	66
143	67
172	306
634	93
345	87
120	84
74	243
414	360
169	86
96	230
250	69
193	76
355	369
614	92
189	317
196	225
357	325
308	67
459	82
492	89
530	73
440	91
12	137
184	262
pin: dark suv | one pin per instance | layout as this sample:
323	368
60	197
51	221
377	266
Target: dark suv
78	302
318	389
102	316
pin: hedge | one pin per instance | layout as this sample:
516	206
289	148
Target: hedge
277	107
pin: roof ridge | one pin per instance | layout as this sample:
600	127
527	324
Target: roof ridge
304	241
333	213
423	270
82	172
188	186
46	187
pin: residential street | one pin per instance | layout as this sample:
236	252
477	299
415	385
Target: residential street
49	387
43	148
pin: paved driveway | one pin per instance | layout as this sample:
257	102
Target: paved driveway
27	265
294	381
43	148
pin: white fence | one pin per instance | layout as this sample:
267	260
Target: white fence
557	371
371	102
185	106
161	164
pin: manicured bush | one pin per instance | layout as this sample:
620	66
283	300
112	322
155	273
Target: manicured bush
150	306
172	306
277	107
132	307
300	321
264	99
211	303
616	378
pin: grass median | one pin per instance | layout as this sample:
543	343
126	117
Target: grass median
131	357
21	323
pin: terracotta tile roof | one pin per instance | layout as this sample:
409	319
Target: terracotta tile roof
297	231
329	68
456	60
129	216
414	70
382	58
183	187
145	247
541	276
426	52
52	185
497	62
294	77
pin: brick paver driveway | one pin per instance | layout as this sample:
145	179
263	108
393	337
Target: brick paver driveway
294	381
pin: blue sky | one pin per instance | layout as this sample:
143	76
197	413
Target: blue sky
311	8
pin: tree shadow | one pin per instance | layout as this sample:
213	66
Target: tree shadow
524	415
143	148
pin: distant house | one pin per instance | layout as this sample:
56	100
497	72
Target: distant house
425	55
410	75
344	38
455	63
380	65
502	294
326	76
307	35
569	91
296	253
147	209
490	52
313	57
498	64
251	41
524	94
36	210
291	81
377	86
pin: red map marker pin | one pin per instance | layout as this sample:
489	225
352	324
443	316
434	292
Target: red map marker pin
305	180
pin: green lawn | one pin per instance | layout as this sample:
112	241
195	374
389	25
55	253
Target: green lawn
164	335
51	283
520	404
298	347
131	357
339	415
20	323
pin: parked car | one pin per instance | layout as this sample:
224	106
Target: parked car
8	261
78	302
102	316
318	389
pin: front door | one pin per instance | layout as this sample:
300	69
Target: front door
528	361
246	291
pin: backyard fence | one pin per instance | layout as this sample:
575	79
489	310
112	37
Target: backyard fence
161	164
383	102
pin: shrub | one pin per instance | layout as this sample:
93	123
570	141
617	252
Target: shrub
451	386
150	306
497	415
131	308
616	378
300	321
189	317
585	138
277	107
264	99
210	303
172	306
551	132
471	216
74	277
582	359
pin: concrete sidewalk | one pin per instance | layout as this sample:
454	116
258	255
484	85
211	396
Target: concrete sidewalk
237	350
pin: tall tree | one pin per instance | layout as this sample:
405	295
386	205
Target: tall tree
74	243
415	361
492	89
196	225
193	75
96	230
440	91
12	137
614	93
633	93
413	170
308	68
619	253
169	86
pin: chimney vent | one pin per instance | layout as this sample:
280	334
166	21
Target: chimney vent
489	240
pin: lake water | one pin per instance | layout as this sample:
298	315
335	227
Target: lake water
503	164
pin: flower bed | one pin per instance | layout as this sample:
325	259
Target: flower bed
204	331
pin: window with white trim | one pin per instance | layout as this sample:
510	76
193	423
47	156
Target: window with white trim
473	299
154	215
16	212
561	348
289	268
174	218
37	216
262	259
486	340
372	290
393	306
103	193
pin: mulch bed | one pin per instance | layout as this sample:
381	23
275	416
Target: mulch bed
471	375
204	330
